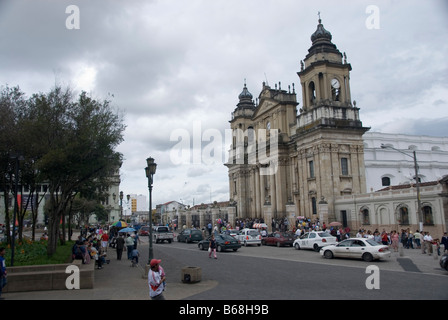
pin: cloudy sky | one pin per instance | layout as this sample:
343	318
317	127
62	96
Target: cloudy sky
175	68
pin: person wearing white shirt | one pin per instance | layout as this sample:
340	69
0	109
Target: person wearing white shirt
156	280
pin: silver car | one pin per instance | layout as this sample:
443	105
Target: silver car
359	248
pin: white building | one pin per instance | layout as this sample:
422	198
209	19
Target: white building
167	212
388	167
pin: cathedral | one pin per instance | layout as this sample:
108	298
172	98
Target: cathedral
286	160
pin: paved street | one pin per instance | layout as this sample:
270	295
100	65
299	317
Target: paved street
285	273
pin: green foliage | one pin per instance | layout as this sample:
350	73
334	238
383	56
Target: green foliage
28	253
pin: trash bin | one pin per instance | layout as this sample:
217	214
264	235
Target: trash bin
191	274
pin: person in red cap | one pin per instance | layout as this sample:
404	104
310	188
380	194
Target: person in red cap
156	280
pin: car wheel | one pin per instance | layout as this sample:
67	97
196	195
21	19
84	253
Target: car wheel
297	246
328	254
367	257
278	244
235	250
186	240
219	249
201	247
316	247
245	243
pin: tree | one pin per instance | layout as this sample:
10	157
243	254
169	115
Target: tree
77	141
12	100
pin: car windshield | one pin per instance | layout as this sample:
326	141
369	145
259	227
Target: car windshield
324	234
144	228
253	233
286	234
373	242
162	229
226	237
196	232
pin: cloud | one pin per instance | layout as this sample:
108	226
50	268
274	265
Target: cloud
176	65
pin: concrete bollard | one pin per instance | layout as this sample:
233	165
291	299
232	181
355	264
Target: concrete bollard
191	274
400	249
434	252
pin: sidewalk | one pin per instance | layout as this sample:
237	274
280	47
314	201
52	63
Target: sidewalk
119	281
414	260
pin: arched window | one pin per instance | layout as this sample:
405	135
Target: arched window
365	216
385	181
427	215
312	93
403	215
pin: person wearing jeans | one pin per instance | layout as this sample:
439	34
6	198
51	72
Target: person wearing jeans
212	247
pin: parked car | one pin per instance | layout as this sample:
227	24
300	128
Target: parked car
366	249
232	232
278	239
189	235
249	236
144	231
223	242
444	261
314	240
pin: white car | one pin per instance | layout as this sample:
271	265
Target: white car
314	240
249	236
366	249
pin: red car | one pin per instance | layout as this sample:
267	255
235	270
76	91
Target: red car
278	239
144	231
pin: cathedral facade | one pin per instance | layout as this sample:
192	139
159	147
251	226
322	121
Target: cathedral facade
284	160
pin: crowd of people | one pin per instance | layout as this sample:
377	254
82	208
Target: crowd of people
92	247
409	239
92	244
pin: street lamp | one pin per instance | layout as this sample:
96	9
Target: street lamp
150	171
417	182
121	205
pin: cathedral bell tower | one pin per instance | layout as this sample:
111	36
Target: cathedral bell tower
328	132
324	74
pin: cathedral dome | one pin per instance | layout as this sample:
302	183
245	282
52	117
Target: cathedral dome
245	94
321	33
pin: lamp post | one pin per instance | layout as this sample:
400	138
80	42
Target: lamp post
150	171
417	183
121	205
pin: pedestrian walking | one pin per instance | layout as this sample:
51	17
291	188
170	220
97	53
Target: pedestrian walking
119	246
444	242
156	280
212	247
209	228
129	246
104	241
3	273
417	239
395	238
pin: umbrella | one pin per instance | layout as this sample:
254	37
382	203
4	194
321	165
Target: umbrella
127	230
120	224
335	224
